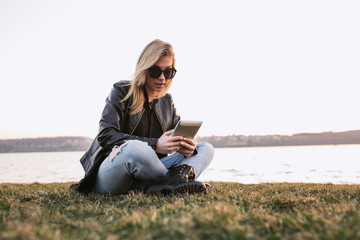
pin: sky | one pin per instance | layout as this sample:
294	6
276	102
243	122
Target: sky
244	67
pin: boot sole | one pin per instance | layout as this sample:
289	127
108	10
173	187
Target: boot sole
184	188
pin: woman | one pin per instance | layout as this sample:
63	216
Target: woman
131	150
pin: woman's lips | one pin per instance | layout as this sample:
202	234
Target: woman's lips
159	85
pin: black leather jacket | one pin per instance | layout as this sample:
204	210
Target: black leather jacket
116	126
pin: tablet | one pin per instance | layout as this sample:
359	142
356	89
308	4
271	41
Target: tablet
187	128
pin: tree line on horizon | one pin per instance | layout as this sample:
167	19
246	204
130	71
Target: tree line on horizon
57	144
48	144
324	138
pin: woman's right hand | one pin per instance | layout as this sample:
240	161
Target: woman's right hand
167	144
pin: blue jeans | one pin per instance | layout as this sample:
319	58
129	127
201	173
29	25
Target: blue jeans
135	165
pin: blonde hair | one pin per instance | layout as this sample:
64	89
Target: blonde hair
148	57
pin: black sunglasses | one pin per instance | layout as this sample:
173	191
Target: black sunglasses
155	72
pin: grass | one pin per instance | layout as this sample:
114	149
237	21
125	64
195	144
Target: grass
229	211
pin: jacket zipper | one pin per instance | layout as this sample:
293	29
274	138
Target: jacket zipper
142	112
159	119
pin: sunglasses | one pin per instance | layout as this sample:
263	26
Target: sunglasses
155	72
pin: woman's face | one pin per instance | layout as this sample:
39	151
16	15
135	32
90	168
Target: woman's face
155	85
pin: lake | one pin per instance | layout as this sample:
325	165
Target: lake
319	164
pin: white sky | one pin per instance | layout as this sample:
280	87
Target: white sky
244	67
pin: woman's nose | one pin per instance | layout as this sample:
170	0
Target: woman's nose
162	77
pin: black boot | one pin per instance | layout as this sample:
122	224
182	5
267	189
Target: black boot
179	179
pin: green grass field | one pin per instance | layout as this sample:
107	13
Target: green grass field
229	211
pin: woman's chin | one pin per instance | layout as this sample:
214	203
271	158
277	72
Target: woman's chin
159	89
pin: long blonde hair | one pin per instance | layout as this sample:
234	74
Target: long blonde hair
148	57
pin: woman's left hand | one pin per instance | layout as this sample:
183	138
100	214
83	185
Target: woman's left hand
188	147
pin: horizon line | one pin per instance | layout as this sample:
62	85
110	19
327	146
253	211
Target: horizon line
213	135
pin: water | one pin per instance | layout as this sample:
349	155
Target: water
320	164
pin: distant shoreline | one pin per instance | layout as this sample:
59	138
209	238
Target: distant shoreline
58	144
300	139
300	145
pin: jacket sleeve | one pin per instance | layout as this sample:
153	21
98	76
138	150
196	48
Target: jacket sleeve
112	122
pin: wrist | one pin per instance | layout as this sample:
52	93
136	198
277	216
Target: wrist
154	146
